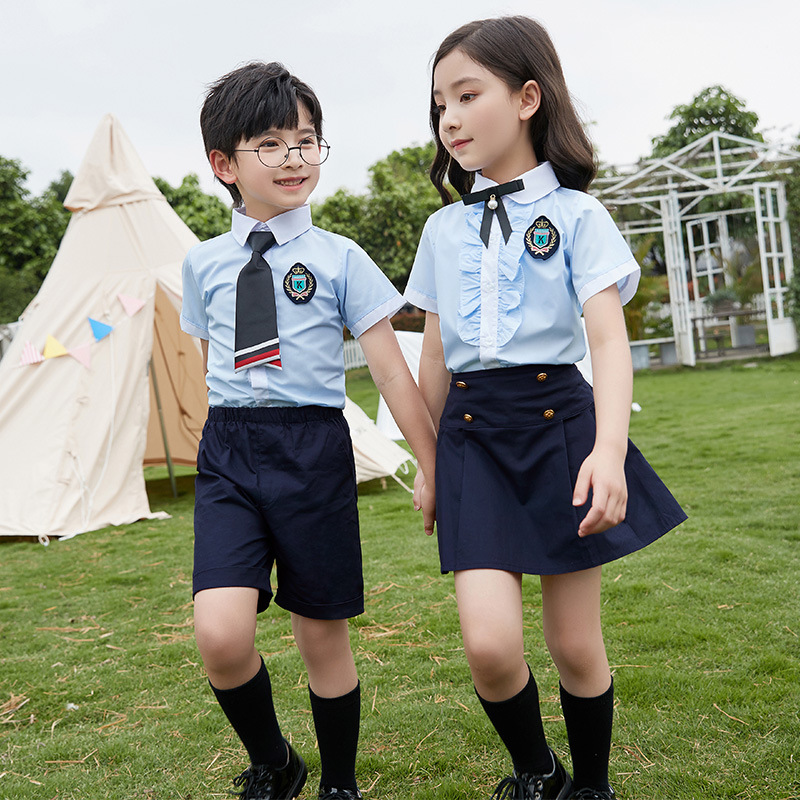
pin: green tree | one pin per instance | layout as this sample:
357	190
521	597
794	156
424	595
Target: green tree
30	232
206	215
713	109
387	221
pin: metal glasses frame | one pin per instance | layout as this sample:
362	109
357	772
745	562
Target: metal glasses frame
320	140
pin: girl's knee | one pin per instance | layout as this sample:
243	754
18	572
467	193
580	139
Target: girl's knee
491	661
576	653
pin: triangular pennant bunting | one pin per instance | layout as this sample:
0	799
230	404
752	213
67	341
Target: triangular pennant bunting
83	353
131	304
30	355
53	348
99	329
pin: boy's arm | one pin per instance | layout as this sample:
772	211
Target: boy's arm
395	383
204	348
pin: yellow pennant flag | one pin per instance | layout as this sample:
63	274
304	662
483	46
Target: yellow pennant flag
53	348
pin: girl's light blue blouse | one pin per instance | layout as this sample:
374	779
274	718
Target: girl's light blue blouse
501	307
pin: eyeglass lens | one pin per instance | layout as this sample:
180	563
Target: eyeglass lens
274	152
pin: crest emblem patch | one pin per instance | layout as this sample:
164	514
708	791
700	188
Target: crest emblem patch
542	238
299	284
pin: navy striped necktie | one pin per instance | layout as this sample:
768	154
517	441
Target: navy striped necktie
256	337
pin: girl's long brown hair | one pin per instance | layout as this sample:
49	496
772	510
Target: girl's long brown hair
517	50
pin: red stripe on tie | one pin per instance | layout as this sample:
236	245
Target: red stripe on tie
254	359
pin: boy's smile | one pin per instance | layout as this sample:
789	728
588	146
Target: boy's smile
269	191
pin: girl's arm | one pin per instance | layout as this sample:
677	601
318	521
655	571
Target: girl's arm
434	379
603	469
433	383
395	383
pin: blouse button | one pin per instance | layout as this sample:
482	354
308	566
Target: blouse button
549	414
461	385
467	417
542	376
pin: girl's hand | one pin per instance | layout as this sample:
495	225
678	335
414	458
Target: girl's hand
425	499
603	471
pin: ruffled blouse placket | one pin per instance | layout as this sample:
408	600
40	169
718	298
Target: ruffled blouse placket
492	283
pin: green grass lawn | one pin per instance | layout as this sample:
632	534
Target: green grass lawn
102	694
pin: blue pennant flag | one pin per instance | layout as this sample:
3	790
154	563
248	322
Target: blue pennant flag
99	329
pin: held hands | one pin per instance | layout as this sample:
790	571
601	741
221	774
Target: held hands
602	471
425	499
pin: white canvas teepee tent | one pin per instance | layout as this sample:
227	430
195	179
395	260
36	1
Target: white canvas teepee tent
78	415
80	412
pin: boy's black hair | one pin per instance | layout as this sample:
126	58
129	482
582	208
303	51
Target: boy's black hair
249	101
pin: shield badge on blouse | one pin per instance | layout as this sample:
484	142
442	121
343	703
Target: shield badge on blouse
299	284
542	238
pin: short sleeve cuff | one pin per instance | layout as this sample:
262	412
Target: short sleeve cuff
387	309
626	276
192	329
420	300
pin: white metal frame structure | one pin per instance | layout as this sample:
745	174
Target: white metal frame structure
666	193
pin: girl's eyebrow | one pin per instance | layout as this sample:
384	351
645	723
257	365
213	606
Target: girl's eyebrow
460	82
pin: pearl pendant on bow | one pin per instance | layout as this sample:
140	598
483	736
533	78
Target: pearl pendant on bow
492	202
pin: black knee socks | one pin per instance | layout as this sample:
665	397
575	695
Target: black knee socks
337	721
518	721
588	721
250	711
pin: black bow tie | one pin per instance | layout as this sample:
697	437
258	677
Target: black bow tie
494	205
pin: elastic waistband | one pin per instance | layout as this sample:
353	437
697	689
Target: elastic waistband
284	414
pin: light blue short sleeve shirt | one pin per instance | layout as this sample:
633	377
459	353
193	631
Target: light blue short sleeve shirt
351	291
499	306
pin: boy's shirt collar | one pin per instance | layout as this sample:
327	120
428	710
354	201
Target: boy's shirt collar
284	227
539	181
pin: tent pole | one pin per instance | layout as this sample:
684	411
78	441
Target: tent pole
170	467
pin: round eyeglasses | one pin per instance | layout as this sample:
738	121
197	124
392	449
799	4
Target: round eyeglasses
274	152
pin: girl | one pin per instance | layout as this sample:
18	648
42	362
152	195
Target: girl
535	473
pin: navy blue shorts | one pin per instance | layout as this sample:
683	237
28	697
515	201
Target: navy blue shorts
278	486
511	442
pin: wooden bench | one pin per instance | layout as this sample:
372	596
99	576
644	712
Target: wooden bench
640	352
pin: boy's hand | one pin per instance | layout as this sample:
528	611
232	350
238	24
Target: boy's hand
425	499
604	472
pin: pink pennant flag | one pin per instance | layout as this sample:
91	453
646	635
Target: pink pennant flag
83	353
30	355
132	305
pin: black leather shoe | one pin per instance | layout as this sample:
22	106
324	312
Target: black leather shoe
329	793
555	785
264	782
593	794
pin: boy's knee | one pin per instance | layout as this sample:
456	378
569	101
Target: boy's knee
222	648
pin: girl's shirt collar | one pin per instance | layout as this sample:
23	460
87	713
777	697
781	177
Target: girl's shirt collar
539	181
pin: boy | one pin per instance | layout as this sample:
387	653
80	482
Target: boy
276	480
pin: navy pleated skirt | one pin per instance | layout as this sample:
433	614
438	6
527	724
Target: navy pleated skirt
511	442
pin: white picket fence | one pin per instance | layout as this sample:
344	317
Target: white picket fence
353	355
